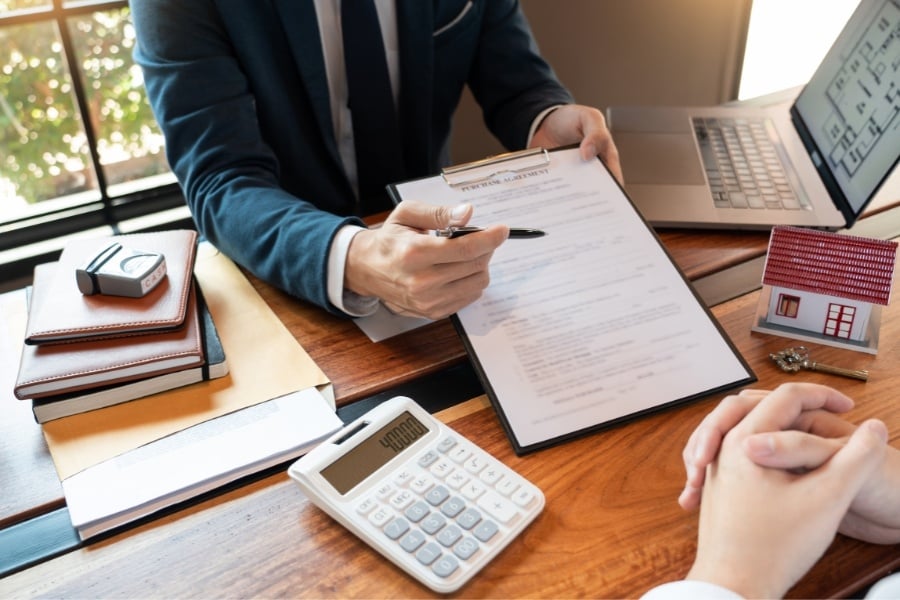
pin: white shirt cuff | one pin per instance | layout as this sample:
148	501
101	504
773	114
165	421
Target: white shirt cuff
537	122
690	589
889	587
349	302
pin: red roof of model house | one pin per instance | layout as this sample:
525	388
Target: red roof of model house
840	265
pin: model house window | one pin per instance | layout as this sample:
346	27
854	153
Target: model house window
788	306
79	146
840	320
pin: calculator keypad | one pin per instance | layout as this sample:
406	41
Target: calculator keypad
449	505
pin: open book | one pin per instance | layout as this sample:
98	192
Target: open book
591	324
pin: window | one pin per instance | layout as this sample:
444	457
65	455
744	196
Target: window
788	306
786	41
80	151
840	320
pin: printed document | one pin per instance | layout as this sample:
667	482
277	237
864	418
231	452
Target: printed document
589	324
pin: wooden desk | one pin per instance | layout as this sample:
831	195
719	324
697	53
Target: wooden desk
611	527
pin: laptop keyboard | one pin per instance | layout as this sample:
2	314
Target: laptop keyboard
743	165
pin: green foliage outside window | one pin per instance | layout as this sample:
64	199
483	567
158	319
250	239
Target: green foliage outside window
43	148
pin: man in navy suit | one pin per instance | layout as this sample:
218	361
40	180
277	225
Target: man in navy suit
252	99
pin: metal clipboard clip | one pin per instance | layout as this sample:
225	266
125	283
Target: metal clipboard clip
496	168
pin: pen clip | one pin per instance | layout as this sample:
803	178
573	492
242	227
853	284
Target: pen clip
452	232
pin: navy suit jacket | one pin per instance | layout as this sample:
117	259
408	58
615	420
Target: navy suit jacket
240	91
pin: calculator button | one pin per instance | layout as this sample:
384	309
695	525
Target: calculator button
460	454
396	528
428	458
469	518
456	480
466	548
445	566
491	475
402	499
433	523
453	506
437	495
473	489
366	506
380	517
421	484
475	464
446	444
449	535
485	530
384	491
442	468
403	477
412	540
506	486
498	507
523	497
428	553
417	511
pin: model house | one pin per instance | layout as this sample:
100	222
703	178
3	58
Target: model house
825	287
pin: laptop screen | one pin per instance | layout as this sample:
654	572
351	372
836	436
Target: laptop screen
851	106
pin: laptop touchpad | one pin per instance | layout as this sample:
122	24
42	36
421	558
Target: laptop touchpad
659	158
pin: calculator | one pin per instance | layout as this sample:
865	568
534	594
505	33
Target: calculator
431	501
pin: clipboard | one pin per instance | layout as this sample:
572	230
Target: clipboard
589	326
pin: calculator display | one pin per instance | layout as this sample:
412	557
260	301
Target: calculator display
373	453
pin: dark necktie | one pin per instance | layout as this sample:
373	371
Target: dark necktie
376	131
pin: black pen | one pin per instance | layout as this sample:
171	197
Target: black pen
514	232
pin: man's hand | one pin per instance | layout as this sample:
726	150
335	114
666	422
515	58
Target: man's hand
417	274
583	125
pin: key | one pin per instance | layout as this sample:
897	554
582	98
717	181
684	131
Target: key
791	360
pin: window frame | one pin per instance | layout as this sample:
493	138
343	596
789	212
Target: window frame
788	306
36	238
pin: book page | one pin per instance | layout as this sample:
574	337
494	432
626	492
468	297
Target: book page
591	322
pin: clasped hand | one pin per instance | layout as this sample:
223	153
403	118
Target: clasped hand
779	474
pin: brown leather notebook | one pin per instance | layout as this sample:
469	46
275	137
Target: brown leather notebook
214	366
60	312
52	369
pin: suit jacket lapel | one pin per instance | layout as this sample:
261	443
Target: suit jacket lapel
301	28
414	25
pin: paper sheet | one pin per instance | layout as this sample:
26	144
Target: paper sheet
265	361
384	324
196	460
591	322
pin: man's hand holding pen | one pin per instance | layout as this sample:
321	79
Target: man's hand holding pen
422	275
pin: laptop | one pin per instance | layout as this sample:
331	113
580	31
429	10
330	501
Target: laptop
816	163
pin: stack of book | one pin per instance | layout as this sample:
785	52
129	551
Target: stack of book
127	460
84	352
